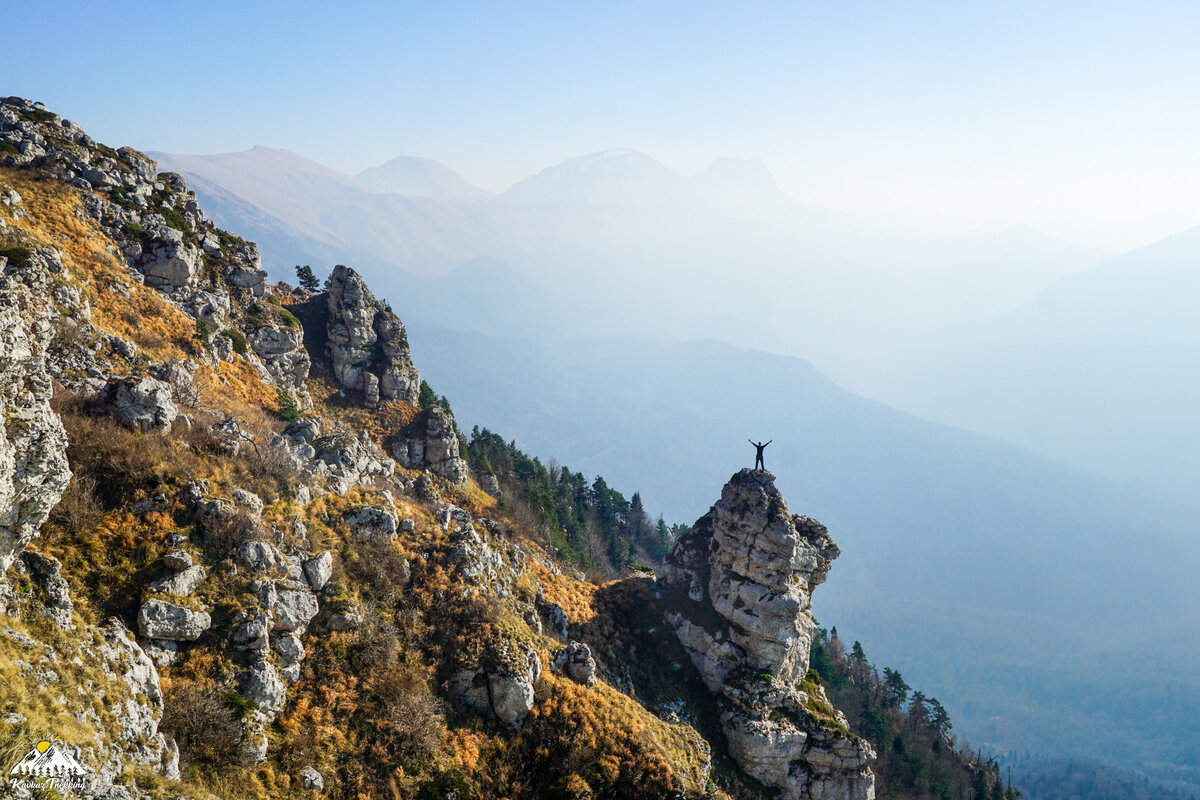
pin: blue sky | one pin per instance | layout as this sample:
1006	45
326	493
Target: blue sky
1078	121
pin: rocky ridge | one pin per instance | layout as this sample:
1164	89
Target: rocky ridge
145	314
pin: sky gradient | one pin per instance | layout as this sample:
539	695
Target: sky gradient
1078	123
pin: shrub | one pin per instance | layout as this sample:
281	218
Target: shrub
17	255
240	345
135	231
225	533
412	713
79	509
205	725
289	318
8	147
173	218
288	410
38	115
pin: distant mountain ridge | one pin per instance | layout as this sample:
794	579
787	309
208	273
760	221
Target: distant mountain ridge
419	177
622	231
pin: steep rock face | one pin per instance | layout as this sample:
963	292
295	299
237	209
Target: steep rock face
742	582
33	444
367	344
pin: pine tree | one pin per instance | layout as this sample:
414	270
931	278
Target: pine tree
307	279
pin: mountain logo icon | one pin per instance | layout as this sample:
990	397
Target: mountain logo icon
48	758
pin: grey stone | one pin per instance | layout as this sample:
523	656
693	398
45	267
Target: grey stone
158	619
182	583
318	570
294	610
143	403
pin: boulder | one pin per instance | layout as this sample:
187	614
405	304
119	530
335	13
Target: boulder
251	502
158	619
318	570
143	403
312	780
177	560
293	610
373	524
506	691
169	262
263	686
182	583
576	662
262	558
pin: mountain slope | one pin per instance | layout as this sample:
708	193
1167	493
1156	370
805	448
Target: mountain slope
968	563
243	553
1097	371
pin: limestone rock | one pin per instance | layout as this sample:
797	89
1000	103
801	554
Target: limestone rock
432	444
158	619
143	403
141	706
506	691
177	560
282	352
742	581
367	343
372	524
318	570
46	572
264	687
294	609
576	662
262	558
33	444
344	620
182	583
312	779
346	459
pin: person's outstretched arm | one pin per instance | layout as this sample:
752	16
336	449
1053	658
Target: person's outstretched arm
751	441
768	442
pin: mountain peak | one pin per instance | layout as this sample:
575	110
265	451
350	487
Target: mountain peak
415	176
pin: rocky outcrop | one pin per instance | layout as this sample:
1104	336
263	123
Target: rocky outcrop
372	524
432	443
46	572
138	714
576	662
740	585
281	350
33	444
345	459
505	688
154	216
368	348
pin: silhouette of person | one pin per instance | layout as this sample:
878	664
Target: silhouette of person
758	456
